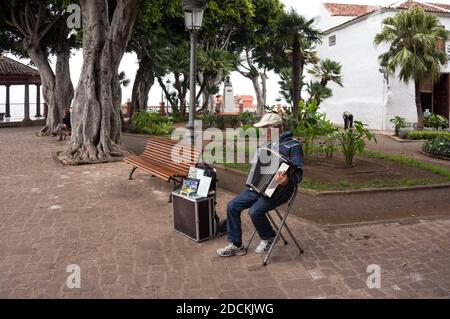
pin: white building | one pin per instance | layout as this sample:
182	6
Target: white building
372	97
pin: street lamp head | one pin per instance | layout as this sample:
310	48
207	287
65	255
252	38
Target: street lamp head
193	13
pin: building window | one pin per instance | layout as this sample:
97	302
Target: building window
332	40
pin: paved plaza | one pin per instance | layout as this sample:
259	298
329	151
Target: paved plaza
120	234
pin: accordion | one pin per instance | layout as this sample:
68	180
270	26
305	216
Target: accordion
265	166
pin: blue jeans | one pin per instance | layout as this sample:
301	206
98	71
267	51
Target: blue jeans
258	206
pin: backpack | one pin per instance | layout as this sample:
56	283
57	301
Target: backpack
210	172
221	225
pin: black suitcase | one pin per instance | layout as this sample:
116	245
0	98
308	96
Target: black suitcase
194	217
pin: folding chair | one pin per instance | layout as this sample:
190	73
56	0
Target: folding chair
279	229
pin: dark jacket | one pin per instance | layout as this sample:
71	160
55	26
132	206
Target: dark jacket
66	120
292	149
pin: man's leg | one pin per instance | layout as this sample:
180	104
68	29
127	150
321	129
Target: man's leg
258	214
234	209
59	131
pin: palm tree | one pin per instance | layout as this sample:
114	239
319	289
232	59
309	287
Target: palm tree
413	36
318	92
285	84
328	71
295	29
213	66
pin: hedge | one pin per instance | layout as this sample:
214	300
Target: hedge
427	135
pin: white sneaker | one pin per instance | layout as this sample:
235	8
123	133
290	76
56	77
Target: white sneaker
264	246
231	250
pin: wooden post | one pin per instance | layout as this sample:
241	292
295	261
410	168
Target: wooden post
38	100
8	105
26	117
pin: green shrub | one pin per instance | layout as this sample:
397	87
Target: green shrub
220	122
209	119
399	122
152	123
311	130
436	121
438	146
290	122
249	118
426	135
235	120
353	141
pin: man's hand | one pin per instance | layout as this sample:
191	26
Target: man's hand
282	179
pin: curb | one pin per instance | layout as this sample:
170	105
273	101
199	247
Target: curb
401	140
375	190
434	156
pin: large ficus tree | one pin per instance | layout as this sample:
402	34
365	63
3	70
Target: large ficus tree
159	26
412	36
37	29
96	120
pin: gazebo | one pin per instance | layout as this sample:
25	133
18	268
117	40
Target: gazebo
16	73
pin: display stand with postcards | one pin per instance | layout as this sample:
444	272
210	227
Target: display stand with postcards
193	207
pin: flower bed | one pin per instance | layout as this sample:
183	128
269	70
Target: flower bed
439	146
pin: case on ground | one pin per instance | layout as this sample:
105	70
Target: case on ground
194	217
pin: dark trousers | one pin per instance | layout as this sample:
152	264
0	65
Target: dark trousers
348	121
258	206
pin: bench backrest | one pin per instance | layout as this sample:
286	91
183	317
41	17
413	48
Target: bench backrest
171	153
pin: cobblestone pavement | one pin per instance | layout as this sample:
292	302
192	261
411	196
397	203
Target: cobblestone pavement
120	233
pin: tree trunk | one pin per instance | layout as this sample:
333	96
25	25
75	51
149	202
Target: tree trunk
40	59
63	87
145	78
56	86
264	87
420	117
259	95
96	121
296	74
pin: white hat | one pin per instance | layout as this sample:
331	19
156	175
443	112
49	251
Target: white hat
270	119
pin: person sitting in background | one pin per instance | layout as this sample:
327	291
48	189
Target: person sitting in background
65	126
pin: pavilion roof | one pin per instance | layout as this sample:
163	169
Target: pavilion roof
14	72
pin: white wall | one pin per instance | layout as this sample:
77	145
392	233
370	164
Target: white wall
366	94
363	90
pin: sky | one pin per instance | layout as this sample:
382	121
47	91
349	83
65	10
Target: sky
242	86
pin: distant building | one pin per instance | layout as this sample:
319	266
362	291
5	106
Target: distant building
247	100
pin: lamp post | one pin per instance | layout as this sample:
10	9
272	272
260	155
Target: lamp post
193	16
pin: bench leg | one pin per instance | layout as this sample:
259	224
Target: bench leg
132	172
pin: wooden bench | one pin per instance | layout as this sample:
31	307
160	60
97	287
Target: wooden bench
165	159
